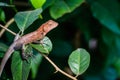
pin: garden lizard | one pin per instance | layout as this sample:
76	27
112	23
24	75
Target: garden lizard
26	39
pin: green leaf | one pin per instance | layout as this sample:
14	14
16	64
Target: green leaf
26	18
48	3
117	65
79	61
26	69
11	1
5	5
2	15
45	45
3	49
74	3
60	7
110	74
16	66
109	46
26	66
37	3
107	12
21	68
35	62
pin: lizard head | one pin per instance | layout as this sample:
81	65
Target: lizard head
46	27
49	25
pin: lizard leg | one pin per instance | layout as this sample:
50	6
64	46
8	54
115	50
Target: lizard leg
24	56
26	52
41	41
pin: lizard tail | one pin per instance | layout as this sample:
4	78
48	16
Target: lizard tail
5	59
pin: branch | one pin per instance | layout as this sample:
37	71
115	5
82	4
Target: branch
6	26
57	68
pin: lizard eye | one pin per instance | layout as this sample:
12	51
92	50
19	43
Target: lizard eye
50	24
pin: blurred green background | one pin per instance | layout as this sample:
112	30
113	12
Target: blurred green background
91	24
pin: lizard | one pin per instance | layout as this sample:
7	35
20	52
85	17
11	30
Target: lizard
26	39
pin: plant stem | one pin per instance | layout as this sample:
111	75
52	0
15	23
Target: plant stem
7	30
6	26
57	68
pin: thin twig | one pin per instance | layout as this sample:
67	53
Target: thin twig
57	68
6	26
7	30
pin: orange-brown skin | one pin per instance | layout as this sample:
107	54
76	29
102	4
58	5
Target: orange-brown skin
38	34
28	38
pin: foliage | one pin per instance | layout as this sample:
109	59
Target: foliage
79	61
44	47
2	15
91	24
37	3
60	7
25	19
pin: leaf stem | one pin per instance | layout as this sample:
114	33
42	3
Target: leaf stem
57	68
76	76
6	26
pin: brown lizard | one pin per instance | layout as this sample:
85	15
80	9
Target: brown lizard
26	39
